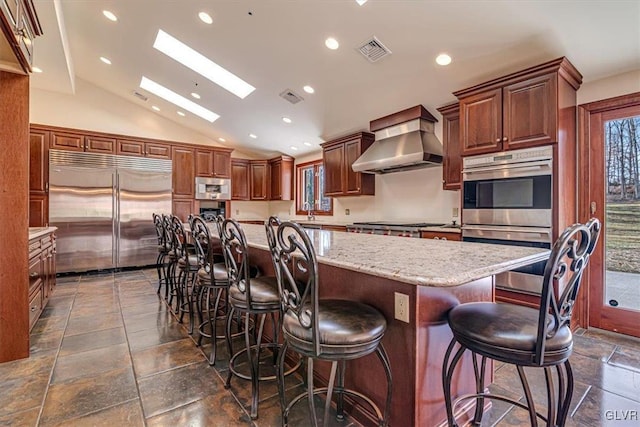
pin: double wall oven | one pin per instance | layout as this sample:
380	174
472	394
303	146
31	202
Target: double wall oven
507	200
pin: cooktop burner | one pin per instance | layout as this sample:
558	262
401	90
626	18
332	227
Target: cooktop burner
398	224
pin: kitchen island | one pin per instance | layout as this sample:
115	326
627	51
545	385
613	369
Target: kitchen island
435	275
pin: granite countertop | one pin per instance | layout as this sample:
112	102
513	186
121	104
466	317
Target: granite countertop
424	262
35	232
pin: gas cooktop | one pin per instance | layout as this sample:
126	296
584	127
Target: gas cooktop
398	224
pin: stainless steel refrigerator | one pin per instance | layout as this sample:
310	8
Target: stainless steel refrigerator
102	205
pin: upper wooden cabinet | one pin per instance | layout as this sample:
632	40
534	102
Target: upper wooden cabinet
520	110
338	156
20	26
38	160
213	163
183	175
452	161
281	178
96	144
239	179
259	180
70	141
134	147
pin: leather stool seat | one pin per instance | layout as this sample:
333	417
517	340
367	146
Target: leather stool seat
219	274
346	328
264	295
507	333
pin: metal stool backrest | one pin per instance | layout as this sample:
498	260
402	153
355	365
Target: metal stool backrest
180	238
236	257
202	242
568	259
167	224
297	267
271	227
157	222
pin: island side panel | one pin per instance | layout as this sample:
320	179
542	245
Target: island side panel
433	336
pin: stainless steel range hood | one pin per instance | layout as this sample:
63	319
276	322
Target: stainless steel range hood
406	146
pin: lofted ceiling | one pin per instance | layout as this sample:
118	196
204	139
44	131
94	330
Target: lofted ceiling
279	44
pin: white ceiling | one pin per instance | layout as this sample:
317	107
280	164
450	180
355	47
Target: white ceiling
281	46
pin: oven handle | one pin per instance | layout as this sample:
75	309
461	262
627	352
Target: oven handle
501	232
542	167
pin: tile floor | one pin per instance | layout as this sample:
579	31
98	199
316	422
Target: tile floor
107	352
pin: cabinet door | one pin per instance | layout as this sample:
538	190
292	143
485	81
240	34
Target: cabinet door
183	171
204	163
157	150
239	180
353	179
259	180
182	208
481	124
276	180
66	141
530	112
221	164
96	144
452	163
38	210
334	180
129	147
38	161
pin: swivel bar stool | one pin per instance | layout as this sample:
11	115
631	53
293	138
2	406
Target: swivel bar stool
188	268
333	330
163	251
170	291
525	336
249	296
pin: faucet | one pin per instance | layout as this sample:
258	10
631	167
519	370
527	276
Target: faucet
309	207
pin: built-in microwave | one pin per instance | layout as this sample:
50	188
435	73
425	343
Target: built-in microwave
213	188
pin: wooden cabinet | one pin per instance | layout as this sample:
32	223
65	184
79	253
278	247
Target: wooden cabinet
239	179
204	163
182	208
20	26
524	109
183	172
132	147
97	144
281	178
259	180
452	161
69	141
213	163
441	235
338	156
157	150
38	177
42	274
128	147
38	209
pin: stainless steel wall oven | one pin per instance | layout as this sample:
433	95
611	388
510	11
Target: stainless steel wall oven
507	200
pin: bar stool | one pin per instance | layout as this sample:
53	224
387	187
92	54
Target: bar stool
250	296
525	336
187	269
212	279
331	330
170	291
163	251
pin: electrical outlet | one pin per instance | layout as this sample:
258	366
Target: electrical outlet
347	212
401	307
237	211
454	212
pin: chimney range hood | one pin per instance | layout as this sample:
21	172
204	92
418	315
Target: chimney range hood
410	144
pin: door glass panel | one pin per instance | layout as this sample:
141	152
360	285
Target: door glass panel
622	229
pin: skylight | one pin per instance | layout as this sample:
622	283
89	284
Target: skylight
180	101
202	65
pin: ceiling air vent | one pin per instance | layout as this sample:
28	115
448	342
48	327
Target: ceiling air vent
140	96
374	50
291	96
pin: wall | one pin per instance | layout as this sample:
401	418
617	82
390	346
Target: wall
609	87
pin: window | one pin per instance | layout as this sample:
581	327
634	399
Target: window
310	190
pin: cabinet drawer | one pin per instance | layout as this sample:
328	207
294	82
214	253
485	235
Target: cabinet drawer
35	272
35	307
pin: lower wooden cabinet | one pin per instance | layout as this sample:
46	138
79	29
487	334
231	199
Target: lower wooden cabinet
42	274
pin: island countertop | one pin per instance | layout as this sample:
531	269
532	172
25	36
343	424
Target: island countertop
35	232
423	262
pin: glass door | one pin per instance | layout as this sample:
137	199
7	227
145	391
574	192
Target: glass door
614	197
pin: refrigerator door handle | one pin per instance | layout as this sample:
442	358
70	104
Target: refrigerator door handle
114	218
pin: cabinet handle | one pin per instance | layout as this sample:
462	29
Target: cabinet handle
504	139
436	238
443	238
498	140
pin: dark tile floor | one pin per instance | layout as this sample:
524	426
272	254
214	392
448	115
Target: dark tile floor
107	352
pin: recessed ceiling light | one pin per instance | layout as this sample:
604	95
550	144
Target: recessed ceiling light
205	17
110	15
105	60
332	43
202	65
443	59
308	89
286	119
180	113
251	135
195	95
179	100
36	69
293	147
308	144
155	108
361	2
222	140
